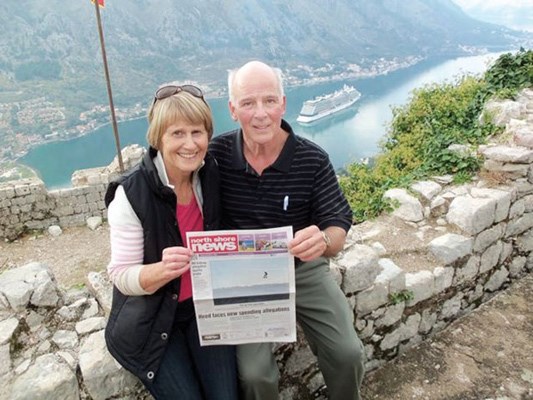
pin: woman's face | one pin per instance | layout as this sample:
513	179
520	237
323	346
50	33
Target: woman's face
183	147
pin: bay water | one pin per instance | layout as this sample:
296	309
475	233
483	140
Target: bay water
348	136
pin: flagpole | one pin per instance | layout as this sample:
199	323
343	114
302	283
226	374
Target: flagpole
108	82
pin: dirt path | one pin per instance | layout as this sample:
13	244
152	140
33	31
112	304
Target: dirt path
71	256
484	355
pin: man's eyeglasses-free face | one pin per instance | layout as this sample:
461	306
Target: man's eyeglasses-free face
171	90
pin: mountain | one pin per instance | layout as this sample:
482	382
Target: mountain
51	48
517	14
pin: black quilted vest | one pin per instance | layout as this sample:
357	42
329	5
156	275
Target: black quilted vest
139	327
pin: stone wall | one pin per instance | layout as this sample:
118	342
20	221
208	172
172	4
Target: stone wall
27	205
444	250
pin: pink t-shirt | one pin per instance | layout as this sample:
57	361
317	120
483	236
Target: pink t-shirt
189	219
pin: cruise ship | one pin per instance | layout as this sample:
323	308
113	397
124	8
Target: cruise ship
322	106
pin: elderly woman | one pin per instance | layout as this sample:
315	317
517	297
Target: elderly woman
152	329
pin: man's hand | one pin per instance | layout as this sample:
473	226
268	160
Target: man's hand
308	243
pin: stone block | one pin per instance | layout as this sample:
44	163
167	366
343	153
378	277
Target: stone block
524	242
410	327
92	197
517	209
372	298
392	276
503	153
409	208
468	271
502	198
7	193
392	314
5	363
510	170
65	339
496	280
519	225
90	325
491	257
361	267
517	266
22	190
422	284
427	189
451	307
507	250
47	378
102	375
489	237
443	278
8	327
101	288
427	321
450	247
391	340
472	215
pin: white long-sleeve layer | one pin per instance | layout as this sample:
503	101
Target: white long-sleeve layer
127	241
127	246
126	235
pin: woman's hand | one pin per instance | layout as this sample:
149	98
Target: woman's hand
175	261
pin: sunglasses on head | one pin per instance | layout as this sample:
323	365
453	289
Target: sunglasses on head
171	90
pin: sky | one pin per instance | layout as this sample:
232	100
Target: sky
226	273
516	14
487	4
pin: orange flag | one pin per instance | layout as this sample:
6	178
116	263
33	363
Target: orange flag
100	3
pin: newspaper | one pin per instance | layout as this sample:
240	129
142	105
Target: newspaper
243	286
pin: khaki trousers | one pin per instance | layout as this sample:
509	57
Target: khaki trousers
326	319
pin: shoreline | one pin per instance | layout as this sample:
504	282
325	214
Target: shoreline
303	83
289	84
15	159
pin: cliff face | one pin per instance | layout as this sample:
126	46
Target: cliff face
56	47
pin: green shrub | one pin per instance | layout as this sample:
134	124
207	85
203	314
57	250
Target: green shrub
364	192
437	116
509	74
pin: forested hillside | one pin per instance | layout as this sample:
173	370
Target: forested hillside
52	48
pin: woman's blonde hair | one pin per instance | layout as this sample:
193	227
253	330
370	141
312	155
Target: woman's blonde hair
178	107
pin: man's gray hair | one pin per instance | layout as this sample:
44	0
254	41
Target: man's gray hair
233	72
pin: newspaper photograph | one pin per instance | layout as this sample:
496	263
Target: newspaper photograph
243	286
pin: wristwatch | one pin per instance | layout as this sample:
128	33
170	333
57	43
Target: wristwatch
326	238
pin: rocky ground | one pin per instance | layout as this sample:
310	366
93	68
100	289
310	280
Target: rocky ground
484	355
71	256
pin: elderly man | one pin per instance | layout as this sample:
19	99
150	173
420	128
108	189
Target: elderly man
269	178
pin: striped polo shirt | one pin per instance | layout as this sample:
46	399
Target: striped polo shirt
300	188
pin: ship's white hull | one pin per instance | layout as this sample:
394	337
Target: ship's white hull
306	119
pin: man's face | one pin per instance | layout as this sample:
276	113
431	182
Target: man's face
258	105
